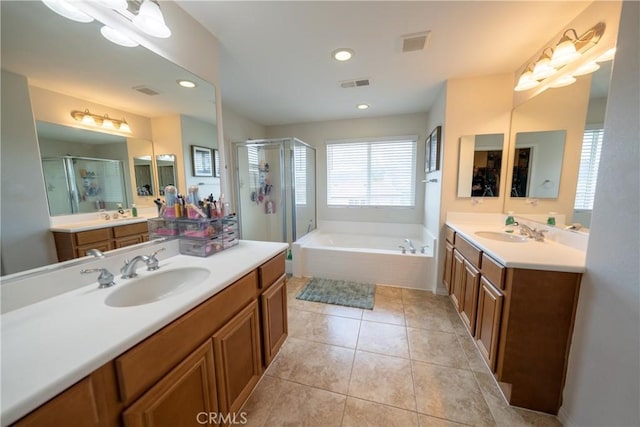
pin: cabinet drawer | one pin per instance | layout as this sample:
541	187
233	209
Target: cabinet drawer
271	271
470	252
92	236
129	229
493	271
139	368
449	234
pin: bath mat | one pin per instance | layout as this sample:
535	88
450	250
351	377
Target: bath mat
339	292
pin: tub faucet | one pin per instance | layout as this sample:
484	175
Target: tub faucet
403	249
411	248
128	270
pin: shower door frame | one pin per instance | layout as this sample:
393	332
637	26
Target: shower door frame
263	143
294	230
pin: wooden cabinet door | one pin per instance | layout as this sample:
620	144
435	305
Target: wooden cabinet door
274	319
177	399
471	283
448	266
237	358
74	406
457	279
488	321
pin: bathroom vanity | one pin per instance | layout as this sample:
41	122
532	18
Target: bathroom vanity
517	298
124	356
73	240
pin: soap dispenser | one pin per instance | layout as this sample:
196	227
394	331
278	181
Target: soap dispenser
510	222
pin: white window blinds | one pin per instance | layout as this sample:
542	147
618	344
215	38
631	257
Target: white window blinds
371	173
588	173
300	174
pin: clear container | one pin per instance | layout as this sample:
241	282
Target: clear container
162	227
205	228
201	248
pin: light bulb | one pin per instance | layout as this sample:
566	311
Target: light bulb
150	20
526	81
124	126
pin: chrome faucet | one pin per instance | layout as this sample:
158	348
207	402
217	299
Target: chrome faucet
128	270
152	261
411	248
403	249
95	252
105	279
532	233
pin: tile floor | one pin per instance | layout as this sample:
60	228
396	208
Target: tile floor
408	362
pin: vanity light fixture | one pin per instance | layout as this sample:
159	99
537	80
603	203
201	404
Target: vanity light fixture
115	36
607	56
150	20
186	83
342	54
570	48
362	106
104	122
68	10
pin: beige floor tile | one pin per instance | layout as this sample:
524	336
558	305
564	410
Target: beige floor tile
300	321
456	323
342	311
259	404
506	415
361	413
388	293
335	330
415	295
383	338
441	348
285	361
302	305
427	421
386	310
427	318
474	358
383	379
450	393
322	366
303	406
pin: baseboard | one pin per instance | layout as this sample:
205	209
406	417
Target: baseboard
564	417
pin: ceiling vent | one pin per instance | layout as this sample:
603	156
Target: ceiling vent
146	90
354	83
416	41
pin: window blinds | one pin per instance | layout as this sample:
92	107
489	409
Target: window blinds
588	173
374	173
300	174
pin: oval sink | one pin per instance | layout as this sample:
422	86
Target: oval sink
503	237
157	286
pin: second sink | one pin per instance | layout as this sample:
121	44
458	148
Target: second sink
157	286
503	237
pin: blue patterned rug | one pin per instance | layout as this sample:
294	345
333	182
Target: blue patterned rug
339	292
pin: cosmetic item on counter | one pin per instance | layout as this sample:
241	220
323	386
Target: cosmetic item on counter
510	223
171	196
134	210
159	205
120	210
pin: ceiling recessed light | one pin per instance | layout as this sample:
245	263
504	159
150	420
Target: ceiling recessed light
342	54
186	83
362	106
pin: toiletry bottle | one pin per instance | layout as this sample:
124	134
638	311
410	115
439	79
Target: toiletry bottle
551	219
120	210
134	210
510	222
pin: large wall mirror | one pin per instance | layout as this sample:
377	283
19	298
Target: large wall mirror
69	66
558	126
480	165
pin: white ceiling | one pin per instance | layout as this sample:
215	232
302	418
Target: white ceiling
275	60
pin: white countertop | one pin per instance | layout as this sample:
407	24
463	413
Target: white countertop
95	224
532	255
50	345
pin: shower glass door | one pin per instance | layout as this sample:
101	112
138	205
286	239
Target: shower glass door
260	182
304	188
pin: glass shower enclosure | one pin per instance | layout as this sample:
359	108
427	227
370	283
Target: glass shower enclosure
83	184
275	189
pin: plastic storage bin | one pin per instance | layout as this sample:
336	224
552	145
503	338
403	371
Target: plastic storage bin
162	227
201	248
200	228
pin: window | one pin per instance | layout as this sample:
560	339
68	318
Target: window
588	173
371	173
300	174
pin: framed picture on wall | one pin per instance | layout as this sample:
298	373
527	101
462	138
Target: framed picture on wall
432	150
202	161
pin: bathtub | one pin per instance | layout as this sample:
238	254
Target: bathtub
367	253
